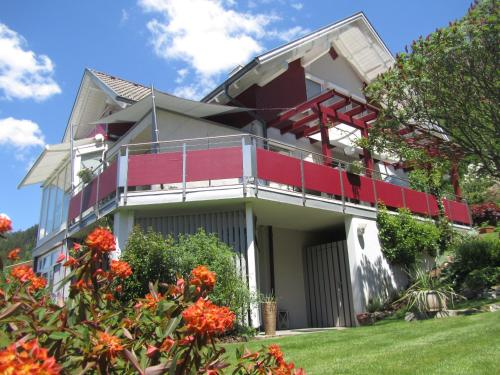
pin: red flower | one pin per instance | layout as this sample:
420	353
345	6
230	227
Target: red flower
275	351
76	247
109	297
186	340
205	318
201	276
60	258
27	358
120	269
101	240
5	224
70	262
178	289
167	344
111	345
23	273
151	351
14	254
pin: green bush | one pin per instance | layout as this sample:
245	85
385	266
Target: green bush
154	258
476	265
404	239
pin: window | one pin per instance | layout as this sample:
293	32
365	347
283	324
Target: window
313	88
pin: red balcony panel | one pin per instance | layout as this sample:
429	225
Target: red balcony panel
107	181
214	164
322	178
391	195
358	187
151	169
416	201
89	195
457	212
275	167
433	205
74	206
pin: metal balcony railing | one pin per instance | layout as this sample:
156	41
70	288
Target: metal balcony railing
249	161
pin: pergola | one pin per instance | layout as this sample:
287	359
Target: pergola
333	107
324	111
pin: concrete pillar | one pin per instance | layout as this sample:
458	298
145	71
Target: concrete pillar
252	262
123	224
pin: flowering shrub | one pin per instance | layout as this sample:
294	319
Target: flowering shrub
91	332
485	213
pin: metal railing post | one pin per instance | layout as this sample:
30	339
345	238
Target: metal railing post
302	179
428	204
125	185
404	197
255	165
341	186
375	197
96	206
243	174
184	171
469	214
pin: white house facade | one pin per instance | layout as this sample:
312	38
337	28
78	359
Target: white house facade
266	161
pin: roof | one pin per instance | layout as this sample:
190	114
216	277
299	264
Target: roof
354	38
172	103
123	88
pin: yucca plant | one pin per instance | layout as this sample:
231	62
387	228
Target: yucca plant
428	293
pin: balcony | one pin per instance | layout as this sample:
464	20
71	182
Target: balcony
250	164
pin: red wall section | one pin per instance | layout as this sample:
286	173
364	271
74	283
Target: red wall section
214	164
457	211
107	181
151	169
416	201
358	187
278	168
391	195
322	178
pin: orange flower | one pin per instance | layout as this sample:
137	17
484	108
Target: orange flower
186	340
149	301
101	240
14	254
70	262
201	276
275	351
109	297
23	273
76	247
178	289
27	358
111	345
5	224
205	318
37	283
120	269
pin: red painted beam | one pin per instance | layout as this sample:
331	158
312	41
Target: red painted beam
354	111
299	123
325	139
369	117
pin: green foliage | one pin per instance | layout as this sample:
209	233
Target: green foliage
475	266
375	304
23	239
477	188
404	239
154	258
446	84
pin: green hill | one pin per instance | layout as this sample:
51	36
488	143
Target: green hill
24	239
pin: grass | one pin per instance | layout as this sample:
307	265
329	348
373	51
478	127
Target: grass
458	345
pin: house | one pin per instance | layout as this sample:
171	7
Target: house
266	161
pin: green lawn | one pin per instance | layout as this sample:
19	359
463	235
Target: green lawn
459	345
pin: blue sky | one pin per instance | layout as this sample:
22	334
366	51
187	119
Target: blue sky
184	47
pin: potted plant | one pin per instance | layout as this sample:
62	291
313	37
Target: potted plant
85	175
356	167
428	294
485	228
269	310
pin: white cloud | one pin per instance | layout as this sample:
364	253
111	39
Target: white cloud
297	6
20	134
125	16
23	73
209	37
181	75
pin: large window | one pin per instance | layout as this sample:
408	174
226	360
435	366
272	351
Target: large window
55	202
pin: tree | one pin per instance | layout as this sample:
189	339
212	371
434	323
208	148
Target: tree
445	90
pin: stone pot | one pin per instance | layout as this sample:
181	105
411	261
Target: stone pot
483	230
269	313
434	303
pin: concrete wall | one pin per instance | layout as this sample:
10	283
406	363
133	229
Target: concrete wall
371	275
289	275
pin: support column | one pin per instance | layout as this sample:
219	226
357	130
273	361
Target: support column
123	223
325	138
252	264
455	181
367	157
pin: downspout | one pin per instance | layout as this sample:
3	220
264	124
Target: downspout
154	130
